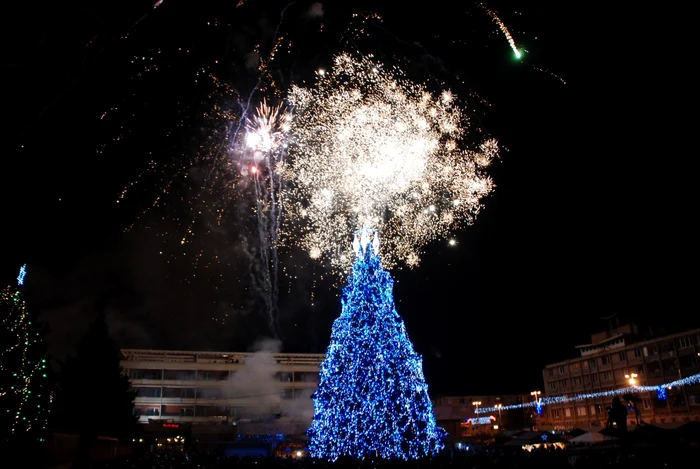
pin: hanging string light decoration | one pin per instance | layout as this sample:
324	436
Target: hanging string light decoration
24	396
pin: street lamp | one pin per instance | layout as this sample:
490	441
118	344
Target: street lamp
500	420
536	395
632	377
476	404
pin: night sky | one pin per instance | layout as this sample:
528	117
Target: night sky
590	217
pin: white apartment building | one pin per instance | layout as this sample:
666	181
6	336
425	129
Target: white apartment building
260	392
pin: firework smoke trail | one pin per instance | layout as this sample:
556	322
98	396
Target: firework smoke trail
264	274
265	139
371	148
503	28
264	127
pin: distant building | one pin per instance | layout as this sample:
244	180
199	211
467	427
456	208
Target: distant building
219	395
457	415
619	358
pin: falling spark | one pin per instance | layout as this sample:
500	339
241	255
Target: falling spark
370	148
503	28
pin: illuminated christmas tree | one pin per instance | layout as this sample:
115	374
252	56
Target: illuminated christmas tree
24	395
372	399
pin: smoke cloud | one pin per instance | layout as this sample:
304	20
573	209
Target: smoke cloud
261	387
315	10
257	382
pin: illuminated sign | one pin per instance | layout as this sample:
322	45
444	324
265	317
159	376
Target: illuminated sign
481	420
170	425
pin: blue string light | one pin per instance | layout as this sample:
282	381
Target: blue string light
372	399
22	273
538	407
660	393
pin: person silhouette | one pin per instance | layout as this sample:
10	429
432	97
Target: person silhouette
617	415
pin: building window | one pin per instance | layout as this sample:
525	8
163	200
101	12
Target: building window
604	360
575	366
646	403
178	393
180	375
551	371
584	364
607	376
591	363
553	386
637	353
580	411
210	393
147	411
594	379
684	342
622	356
576	381
145	374
210	411
563	384
147	392
556	414
561	370
306	377
462	401
686	361
591	409
205	375
567	412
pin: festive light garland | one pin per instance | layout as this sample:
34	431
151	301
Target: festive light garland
544	401
372	399
23	395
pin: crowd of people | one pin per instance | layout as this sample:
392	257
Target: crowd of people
647	457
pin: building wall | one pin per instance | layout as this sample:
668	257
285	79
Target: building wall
608	363
224	388
457	414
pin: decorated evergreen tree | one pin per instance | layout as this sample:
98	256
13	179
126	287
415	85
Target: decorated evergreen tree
24	394
372	399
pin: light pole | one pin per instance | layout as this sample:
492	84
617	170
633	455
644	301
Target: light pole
476	404
632	378
536	395
500	420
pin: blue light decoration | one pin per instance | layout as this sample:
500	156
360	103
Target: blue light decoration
22	273
372	399
661	393
659	389
538	407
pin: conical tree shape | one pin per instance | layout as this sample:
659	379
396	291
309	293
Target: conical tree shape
24	394
372	399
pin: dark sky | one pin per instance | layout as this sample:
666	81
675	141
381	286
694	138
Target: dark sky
591	214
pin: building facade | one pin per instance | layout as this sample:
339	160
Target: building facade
257	393
458	415
621	358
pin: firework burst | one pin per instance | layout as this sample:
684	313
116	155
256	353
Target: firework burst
370	148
